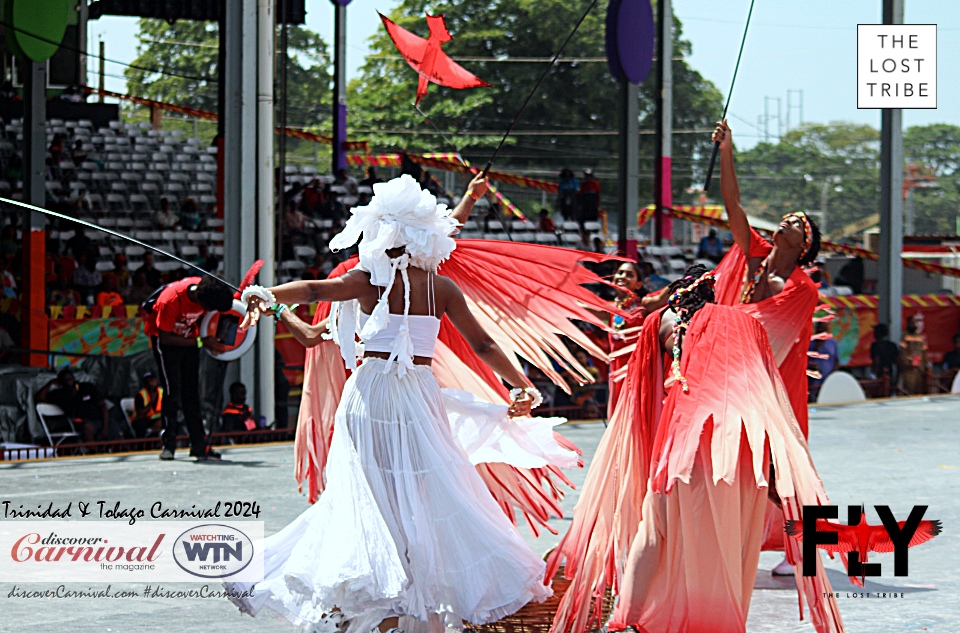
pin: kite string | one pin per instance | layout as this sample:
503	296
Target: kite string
463	162
537	85
91	225
716	145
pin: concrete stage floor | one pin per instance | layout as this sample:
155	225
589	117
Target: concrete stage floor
899	453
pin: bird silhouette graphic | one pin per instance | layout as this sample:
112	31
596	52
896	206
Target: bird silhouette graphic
863	538
427	58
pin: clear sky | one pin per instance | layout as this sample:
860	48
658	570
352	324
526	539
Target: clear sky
805	46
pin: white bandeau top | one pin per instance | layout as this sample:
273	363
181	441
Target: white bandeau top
424	329
403	336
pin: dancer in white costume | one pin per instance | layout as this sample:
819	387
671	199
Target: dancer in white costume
405	528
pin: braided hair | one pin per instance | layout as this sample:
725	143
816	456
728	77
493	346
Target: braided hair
687	295
810	255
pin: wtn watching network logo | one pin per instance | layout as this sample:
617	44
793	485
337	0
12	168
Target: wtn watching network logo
213	551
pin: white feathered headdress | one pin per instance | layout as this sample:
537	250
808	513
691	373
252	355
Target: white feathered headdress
400	214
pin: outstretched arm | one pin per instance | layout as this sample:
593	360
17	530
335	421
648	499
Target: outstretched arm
730	189
343	288
305	333
475	190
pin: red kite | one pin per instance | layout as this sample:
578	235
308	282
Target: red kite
425	56
863	538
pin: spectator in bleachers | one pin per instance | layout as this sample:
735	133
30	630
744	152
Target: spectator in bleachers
238	416
568	189
711	247
139	291
344	179
190	218
86	278
148	406
546	224
165	218
79	244
589	199
152	275
78	154
914	365
293	223
121	271
597	244
314	271
311	199
371	178
56	151
108	295
205	259
61	293
951	360
81	402
884	354
13	169
651	280
8	284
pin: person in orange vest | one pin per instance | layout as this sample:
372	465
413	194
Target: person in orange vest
148	419
108	295
238	416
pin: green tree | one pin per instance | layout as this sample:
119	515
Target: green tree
836	167
186	54
577	107
180	50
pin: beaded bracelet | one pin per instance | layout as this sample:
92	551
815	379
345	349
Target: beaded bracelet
534	393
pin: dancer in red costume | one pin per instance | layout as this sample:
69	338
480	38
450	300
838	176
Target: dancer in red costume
624	329
679	484
768	283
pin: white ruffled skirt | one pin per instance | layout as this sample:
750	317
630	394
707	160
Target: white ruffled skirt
405	526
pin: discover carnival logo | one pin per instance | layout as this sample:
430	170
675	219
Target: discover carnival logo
213	551
105	551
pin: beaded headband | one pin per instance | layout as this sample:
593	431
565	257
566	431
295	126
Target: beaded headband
807	230
679	292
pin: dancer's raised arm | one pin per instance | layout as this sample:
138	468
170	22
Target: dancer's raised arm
475	190
730	189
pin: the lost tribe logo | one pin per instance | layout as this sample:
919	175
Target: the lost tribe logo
213	551
857	539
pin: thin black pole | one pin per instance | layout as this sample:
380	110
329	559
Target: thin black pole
716	146
537	85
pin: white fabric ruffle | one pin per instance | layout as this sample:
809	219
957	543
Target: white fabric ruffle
406	526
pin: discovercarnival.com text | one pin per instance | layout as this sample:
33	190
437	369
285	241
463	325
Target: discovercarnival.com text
149	591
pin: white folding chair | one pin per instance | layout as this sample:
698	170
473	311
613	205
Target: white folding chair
50	413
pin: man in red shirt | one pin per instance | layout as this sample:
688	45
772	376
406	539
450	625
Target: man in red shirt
171	319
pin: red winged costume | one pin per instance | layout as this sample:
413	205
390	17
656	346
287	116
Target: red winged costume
642	528
427	58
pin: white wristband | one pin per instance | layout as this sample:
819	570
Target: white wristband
534	393
261	293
